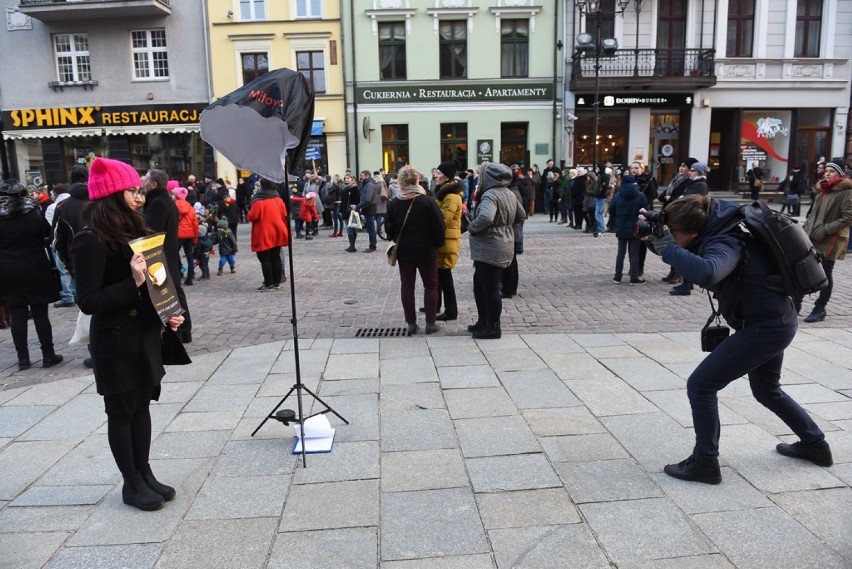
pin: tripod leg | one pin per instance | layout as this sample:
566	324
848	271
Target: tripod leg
326	405
272	413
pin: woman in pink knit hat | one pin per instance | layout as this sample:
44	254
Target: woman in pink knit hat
125	333
187	232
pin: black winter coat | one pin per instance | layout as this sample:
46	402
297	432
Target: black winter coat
161	215
125	333
423	232
26	276
68	220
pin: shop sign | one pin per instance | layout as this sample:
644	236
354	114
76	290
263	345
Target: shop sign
630	100
484	150
97	116
455	92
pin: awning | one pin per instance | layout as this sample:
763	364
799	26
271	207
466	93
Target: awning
316	129
99	131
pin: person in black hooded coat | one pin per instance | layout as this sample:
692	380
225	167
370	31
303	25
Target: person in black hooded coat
28	282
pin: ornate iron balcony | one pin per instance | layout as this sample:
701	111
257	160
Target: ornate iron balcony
640	67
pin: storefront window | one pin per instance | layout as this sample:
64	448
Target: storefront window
612	137
765	143
454	144
665	130
179	154
513	143
394	146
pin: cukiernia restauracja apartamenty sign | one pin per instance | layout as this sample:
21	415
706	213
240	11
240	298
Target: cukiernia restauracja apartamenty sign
459	92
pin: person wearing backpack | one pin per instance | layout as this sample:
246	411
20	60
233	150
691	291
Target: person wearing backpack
828	227
703	243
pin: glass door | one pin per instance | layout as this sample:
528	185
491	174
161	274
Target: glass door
671	38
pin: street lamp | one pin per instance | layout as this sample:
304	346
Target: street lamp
601	47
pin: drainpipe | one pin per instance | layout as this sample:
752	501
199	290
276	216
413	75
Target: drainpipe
354	86
557	46
345	97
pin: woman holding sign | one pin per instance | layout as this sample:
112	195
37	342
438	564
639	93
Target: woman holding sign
125	333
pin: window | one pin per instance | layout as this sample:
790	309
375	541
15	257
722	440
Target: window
72	57
454	144
392	50
252	9
808	28
513	143
453	49
607	8
309	8
311	64
740	28
150	55
394	146
514	48
254	65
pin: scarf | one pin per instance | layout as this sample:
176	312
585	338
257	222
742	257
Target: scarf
825	186
412	192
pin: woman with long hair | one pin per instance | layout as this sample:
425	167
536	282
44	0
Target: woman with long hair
27	282
416	224
125	334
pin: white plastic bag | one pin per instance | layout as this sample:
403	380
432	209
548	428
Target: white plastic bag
81	332
355	220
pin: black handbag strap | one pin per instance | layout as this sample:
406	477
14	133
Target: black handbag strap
715	315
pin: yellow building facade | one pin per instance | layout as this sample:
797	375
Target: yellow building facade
249	37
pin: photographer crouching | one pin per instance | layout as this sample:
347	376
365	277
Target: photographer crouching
695	238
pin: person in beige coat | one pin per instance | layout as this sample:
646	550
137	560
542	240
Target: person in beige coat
828	227
449	198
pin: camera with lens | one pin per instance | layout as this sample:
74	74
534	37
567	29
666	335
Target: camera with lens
652	224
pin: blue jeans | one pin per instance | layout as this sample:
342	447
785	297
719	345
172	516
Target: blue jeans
599	218
68	293
369	222
547	194
230	258
756	350
380	220
336	218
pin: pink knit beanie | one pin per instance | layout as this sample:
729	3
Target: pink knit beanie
172	185
110	176
180	193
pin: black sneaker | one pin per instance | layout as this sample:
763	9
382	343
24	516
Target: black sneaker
696	469
637	281
817	315
88	363
616	280
819	455
263	288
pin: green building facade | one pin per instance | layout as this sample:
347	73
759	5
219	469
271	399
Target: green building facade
463	80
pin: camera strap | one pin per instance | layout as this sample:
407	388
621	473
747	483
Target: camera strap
715	315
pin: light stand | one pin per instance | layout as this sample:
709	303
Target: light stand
286	416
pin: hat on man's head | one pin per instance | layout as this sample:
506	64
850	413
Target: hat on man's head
448	169
107	176
836	167
628	179
700	167
689	161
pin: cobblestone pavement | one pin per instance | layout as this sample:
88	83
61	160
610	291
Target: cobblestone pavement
565	286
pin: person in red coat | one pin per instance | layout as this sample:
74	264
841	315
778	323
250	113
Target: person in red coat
308	213
269	232
187	230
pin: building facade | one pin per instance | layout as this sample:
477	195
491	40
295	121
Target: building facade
733	83
124	80
250	37
462	80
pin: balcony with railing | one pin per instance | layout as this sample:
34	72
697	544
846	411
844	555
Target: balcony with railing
657	69
65	10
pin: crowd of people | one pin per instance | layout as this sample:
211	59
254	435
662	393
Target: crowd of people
73	251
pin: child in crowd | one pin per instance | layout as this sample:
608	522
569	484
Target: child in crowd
307	213
202	252
227	246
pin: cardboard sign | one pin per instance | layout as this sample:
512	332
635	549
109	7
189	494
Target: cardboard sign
160	283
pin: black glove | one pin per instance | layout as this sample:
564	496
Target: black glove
658	244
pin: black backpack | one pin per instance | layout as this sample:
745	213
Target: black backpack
798	263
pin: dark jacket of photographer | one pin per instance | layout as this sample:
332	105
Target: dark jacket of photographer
731	267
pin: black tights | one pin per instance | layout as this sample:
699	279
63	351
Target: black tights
270	264
130	440
42	326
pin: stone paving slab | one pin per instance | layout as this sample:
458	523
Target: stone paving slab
349	547
547	547
107	557
225	544
547	507
423	470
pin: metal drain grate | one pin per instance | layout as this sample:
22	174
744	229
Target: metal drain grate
381	332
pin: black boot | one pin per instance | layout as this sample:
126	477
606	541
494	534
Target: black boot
818	454
49	357
476	326
136	493
696	468
167	492
351	248
492	332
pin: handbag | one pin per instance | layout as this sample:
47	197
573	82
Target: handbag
174	354
355	220
712	336
54	270
393	250
465	221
